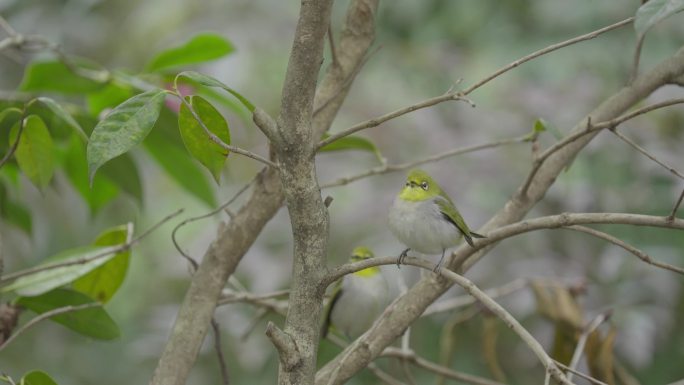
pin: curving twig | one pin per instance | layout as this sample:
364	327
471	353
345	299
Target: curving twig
190	259
410	356
15	145
112	250
46	315
591	128
218	140
618	242
387	168
462	95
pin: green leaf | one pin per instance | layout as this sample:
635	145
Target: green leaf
104	281
57	111
196	140
124	173
127	125
93	322
35	152
352	142
209	81
53	75
201	48
47	279
653	12
181	168
102	191
37	377
542	125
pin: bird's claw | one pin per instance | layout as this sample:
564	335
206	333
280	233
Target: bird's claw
401	257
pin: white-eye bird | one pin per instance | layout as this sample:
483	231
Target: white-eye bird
425	219
357	299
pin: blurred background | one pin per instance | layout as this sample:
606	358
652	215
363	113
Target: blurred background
423	48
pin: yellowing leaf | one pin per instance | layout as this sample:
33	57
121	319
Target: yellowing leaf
103	282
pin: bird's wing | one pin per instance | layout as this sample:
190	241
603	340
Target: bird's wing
327	312
451	214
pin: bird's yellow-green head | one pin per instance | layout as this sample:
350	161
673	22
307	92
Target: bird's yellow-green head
361	253
419	187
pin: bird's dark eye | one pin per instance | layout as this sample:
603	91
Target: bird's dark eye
424	186
408	183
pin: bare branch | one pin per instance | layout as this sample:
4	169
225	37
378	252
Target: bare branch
383	376
465	300
676	206
500	312
462	95
219	351
395	114
590	128
638	253
108	251
265	123
579	348
44	316
387	168
580	374
192	261
647	154
15	145
437	369
546	50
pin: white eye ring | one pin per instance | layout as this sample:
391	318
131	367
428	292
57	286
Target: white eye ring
424	186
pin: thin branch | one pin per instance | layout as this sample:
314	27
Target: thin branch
647	154
579	348
383	376
580	374
395	114
618	242
676	206
465	300
190	259
7	27
217	140
410	356
565	220
219	351
462	95
546	50
46	315
590	128
15	145
387	168
500	312
636	58
347	82
108	251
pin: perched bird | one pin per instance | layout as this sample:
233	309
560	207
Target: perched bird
425	219
357	299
